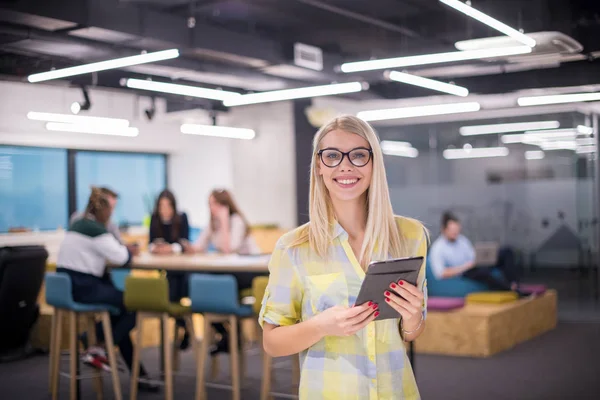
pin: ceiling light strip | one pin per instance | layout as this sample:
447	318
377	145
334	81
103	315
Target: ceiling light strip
427	83
297	93
504	128
218	131
477	152
184	90
425	59
489	21
558	99
77	119
96	130
420	111
104	65
534	155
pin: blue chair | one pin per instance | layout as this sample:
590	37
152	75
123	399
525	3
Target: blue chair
118	276
451	287
216	298
59	295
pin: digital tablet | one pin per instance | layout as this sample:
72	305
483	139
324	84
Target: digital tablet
380	275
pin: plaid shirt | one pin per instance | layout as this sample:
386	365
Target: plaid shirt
371	364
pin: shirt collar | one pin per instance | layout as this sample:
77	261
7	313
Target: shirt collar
338	231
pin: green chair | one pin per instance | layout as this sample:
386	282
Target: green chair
149	297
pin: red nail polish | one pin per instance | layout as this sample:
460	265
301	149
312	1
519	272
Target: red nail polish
374	306
401	282
376	313
388	300
370	304
387	293
393	285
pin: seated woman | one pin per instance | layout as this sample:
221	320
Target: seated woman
83	255
228	232
169	234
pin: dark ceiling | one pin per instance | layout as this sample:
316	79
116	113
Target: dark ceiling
248	44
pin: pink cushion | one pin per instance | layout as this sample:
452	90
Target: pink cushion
537	289
445	303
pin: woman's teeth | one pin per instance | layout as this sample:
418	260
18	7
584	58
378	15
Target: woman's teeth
347	181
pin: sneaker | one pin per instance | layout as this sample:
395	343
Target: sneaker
148	385
94	361
98	352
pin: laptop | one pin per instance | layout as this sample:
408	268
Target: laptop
486	254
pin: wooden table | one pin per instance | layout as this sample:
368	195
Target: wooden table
202	262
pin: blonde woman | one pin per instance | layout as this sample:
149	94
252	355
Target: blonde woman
316	272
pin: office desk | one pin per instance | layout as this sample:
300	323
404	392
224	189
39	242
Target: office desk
202	262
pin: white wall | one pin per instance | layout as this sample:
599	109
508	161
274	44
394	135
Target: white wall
197	164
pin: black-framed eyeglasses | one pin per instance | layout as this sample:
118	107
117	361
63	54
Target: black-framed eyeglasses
359	157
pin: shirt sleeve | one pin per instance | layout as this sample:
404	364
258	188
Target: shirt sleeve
113	251
469	249
282	302
203	240
153	234
237	233
436	261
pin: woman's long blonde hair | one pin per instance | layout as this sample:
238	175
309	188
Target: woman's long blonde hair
382	237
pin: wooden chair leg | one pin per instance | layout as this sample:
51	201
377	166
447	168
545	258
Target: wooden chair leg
91	328
167	356
137	349
52	347
110	350
73	355
265	389
176	352
235	359
189	325
202	352
214	361
57	344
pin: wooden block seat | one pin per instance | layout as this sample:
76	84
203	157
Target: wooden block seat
481	330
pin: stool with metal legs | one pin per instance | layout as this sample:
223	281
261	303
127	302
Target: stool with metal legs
59	295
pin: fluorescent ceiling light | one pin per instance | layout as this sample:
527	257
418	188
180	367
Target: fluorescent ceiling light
559	145
420	111
585	141
585	130
428	83
489	21
476	152
184	90
298	93
77	119
503	128
219	131
438	58
534	155
536	137
586	150
401	149
558	99
96	130
104	65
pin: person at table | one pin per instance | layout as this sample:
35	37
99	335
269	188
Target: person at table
169	234
86	249
228	232
316	272
111	227
452	254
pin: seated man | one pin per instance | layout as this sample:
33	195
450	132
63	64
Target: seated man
83	255
452	254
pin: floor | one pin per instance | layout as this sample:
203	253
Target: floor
562	364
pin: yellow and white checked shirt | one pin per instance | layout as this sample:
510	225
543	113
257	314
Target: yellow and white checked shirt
371	364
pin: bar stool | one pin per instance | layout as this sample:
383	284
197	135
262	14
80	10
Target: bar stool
149	297
217	298
59	295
